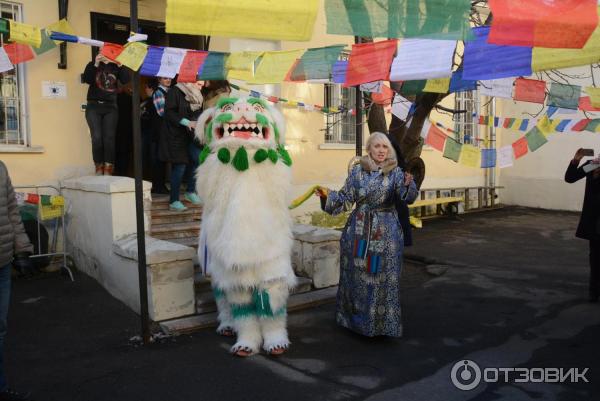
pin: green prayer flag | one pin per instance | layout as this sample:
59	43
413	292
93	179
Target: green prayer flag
593	125
432	19
4	26
413	87
47	44
317	63
45	200
452	149
214	66
535	139
564	96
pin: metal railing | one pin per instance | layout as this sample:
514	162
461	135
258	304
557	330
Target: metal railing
474	199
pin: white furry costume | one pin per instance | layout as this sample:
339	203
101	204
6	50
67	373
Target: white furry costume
246	240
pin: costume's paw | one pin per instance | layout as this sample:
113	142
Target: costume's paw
277	348
226	331
243	349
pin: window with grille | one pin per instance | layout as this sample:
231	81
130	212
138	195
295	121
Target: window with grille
465	124
340	127
12	89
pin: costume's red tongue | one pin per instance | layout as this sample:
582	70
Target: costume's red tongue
242	134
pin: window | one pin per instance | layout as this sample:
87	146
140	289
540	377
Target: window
465	124
13	128
340	127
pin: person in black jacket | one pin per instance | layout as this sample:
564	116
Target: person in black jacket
102	114
183	105
589	223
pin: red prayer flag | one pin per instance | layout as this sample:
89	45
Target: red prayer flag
585	104
370	62
111	50
385	97
436	138
32	198
530	90
19	53
580	126
543	23
520	147
288	76
188	71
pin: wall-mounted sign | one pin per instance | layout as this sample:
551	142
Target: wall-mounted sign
54	90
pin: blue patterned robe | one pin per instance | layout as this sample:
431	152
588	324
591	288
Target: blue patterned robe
368	298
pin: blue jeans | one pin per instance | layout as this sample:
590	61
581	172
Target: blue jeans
180	171
4	301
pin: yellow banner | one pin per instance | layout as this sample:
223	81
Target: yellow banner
259	19
549	59
470	156
61	26
594	94
50	211
133	55
274	66
439	85
25	34
545	126
243	61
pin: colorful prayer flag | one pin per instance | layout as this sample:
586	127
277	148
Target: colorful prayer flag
412	87
535	139
530	90
170	62
46	45
133	55
339	70
111	50
213	67
370	62
25	34
542	23
434	19
151	63
470	156
585	104
437	85
188	71
594	94
5	64
458	84
423	59
452	149
505	156
18	53
483	60
274	66
520	147
580	125
316	63
436	138
61	26
488	158
564	96
383	98
258	19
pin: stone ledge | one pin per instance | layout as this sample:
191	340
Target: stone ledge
104	184
312	234
157	251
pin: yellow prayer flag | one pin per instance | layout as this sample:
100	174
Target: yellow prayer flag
25	34
594	94
517	124
554	123
50	211
133	55
243	61
545	126
292	103
549	59
439	85
61	26
470	156
240	75
259	19
274	66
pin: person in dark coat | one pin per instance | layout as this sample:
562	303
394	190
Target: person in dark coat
183	105
589	223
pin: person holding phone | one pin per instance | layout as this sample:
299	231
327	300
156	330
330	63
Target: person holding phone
589	223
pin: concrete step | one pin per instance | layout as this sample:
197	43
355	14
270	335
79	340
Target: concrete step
170	227
161	202
163	216
176	235
191	241
296	302
304	285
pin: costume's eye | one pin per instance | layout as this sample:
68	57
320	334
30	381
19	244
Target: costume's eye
258	107
227	107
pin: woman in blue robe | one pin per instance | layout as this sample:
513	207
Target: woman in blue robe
368	298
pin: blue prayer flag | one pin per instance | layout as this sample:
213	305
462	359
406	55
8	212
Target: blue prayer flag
524	124
562	125
151	64
339	71
484	60
458	84
488	158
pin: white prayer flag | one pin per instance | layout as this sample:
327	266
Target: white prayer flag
309	107
423	59
373	87
401	107
170	62
425	129
502	87
90	42
138	37
505	156
5	64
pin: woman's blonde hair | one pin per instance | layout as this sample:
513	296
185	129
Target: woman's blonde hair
379	137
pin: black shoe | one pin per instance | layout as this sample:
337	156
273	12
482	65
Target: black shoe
11	395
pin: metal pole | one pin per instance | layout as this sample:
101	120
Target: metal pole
358	117
139	200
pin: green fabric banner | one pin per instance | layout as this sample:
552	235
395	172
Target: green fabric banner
535	139
433	19
317	63
47	44
565	96
214	66
452	149
413	87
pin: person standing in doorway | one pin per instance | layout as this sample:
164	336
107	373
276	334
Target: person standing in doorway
589	223
15	249
159	166
103	76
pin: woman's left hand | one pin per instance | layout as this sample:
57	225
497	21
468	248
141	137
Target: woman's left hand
408	178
